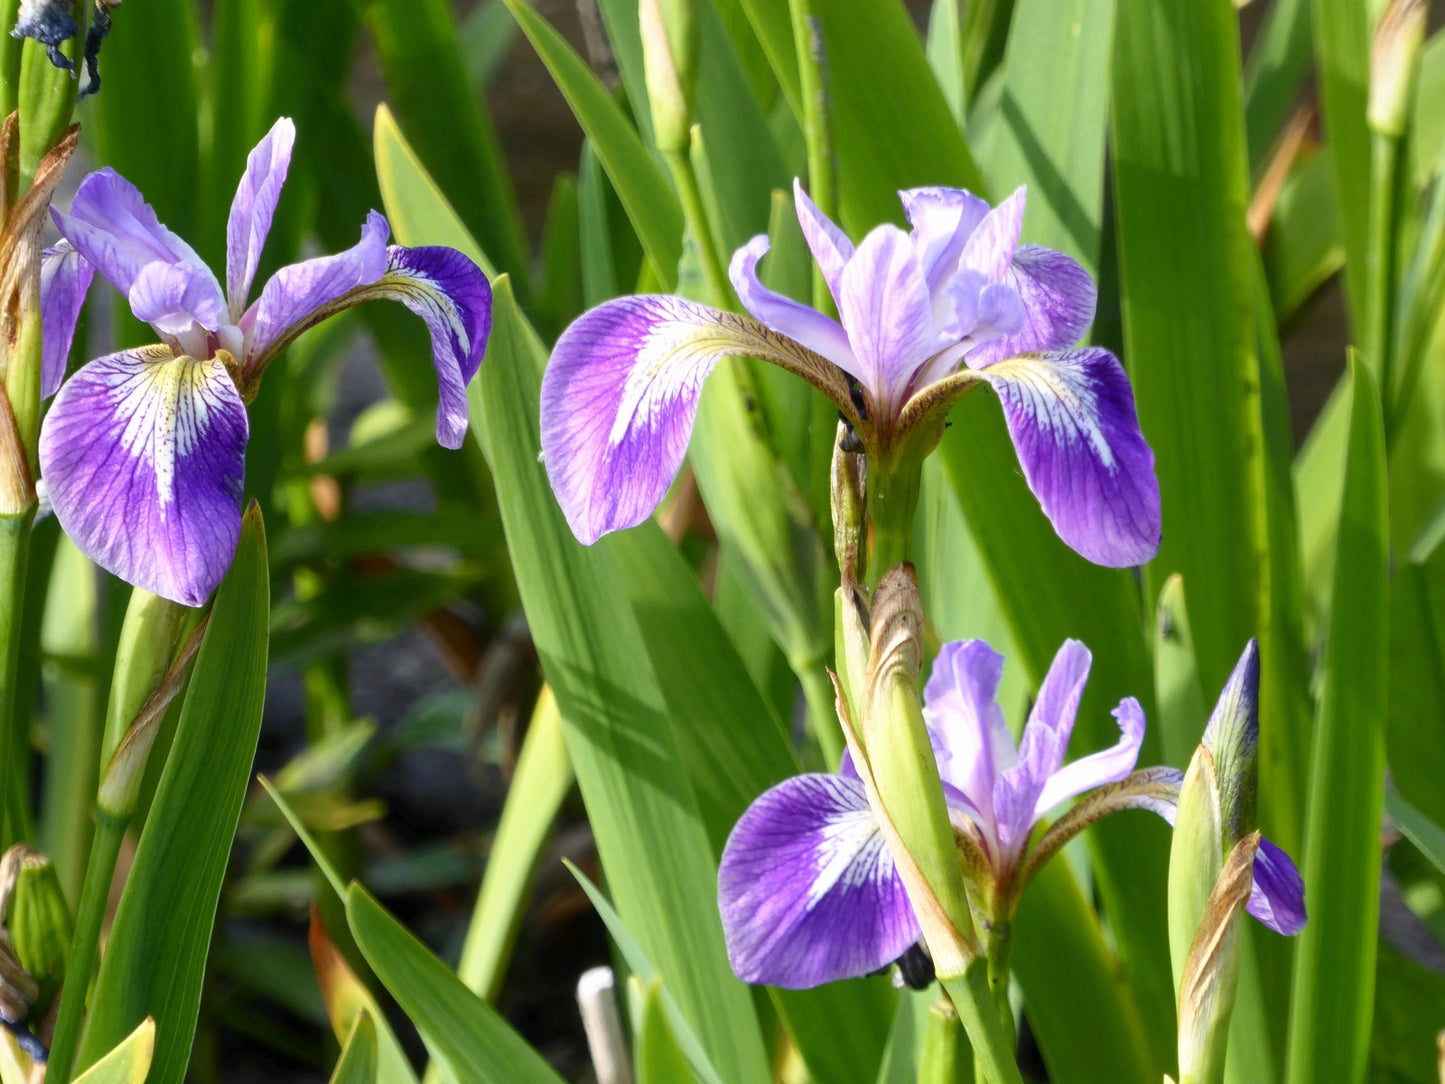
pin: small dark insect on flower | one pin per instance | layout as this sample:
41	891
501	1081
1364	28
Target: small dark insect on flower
49	22
915	967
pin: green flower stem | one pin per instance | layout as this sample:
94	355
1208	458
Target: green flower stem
694	212
813	84
1386	154
892	504
944	1058
992	1048
998	950
14	558
104	850
149	673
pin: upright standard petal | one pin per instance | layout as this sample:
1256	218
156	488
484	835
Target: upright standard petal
959	704
620	395
943	219
296	297
784	315
1278	896
143	454
64	279
1058	299
807	887
830	245
888	312
1071	415
991	247
1044	743
1101	768
114	228
252	210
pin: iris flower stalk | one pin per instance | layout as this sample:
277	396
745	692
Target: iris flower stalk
925	316
810	888
143	450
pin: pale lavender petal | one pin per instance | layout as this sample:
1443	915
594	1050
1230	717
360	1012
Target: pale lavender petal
830	245
959	705
296	293
1000	313
784	315
888	313
1072	419
1058	298
1277	897
618	401
252	209
64	279
943	219
143	455
172	296
1045	740
1095	770
114	228
807	887
991	247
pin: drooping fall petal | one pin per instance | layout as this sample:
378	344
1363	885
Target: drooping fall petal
143	454
65	277
807	887
1072	418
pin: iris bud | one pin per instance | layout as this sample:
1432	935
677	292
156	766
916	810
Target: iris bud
670	42
1394	57
40	924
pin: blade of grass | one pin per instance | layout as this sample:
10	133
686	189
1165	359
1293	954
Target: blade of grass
1335	963
129	1062
459	1028
542	780
357	1064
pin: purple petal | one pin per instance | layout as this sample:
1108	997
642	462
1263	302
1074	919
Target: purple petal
113	227
784	315
171	297
1072	419
1097	769
64	279
1278	896
1045	740
831	247
295	294
959	705
1058	299
943	219
450	293
253	208
143	454
888	312
618	401
991	247
807	887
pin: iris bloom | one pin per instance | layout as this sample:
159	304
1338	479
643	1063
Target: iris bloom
808	889
925	315
143	451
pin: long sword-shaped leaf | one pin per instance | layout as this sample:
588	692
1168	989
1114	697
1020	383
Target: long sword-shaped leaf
1335	964
129	1062
650	201
459	1028
634	778
156	958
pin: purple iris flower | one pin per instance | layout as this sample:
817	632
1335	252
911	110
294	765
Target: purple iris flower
924	315
143	451
808	889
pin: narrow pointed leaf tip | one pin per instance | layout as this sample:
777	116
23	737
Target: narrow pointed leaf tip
914	307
